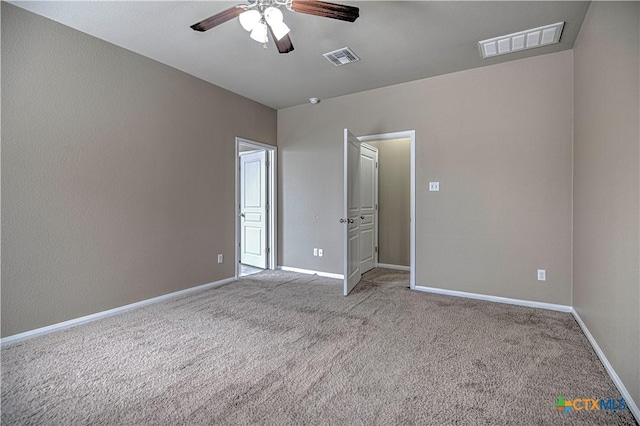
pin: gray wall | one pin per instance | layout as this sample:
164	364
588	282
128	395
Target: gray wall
117	174
394	201
499	141
606	292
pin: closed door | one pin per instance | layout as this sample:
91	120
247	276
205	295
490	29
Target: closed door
253	209
368	205
351	219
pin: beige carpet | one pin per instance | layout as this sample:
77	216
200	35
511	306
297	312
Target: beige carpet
285	348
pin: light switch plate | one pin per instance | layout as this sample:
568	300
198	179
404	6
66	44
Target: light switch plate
220	258
320	253
434	186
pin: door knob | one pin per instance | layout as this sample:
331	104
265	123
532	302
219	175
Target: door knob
362	217
343	221
241	214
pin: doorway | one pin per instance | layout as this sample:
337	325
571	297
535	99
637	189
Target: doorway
392	184
255	207
354	220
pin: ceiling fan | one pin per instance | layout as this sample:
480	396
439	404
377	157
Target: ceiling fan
263	17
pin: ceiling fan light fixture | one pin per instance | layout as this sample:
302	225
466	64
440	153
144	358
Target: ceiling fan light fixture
259	33
249	19
261	17
274	18
273	15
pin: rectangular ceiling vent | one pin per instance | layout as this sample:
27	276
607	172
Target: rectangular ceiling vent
523	40
341	56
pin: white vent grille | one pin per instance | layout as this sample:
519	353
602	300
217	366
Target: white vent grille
341	56
523	40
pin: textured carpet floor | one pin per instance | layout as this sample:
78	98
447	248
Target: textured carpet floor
285	348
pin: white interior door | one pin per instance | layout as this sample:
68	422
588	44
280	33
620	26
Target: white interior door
351	219
368	201
253	209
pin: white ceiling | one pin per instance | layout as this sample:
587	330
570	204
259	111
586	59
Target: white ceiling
397	41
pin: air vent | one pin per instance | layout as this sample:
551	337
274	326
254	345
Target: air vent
341	56
523	40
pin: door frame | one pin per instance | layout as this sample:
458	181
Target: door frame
272	200
411	135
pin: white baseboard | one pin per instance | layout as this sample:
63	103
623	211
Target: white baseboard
396	267
310	272
633	407
519	302
111	312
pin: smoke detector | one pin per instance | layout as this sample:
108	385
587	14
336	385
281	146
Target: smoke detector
314	100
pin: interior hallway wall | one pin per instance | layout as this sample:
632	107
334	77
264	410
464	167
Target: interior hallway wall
499	141
606	268
394	201
117	174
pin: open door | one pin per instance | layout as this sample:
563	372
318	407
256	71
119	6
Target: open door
253	209
368	207
351	219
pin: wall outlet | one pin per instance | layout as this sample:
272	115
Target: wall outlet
220	258
434	186
542	275
315	251
320	252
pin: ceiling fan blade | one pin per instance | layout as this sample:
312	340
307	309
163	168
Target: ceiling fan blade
326	9
284	45
217	19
